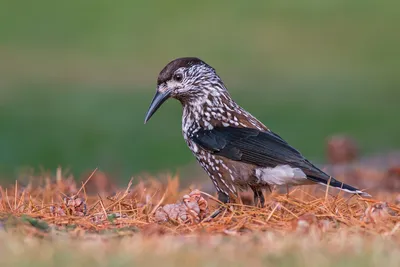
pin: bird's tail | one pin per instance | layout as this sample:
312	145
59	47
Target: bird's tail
339	185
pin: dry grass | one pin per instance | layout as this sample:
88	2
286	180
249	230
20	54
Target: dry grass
43	225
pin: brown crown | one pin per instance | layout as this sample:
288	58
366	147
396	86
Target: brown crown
168	71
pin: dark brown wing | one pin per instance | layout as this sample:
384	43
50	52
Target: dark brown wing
261	148
264	149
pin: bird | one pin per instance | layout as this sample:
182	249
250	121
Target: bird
234	148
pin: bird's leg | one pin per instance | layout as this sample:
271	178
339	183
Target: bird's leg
258	197
287	191
224	198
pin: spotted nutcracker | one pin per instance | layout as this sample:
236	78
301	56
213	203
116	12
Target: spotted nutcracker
235	149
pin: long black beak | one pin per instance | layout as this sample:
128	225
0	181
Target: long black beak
157	101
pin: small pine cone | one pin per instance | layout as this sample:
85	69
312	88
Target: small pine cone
195	197
75	206
309	222
192	209
378	212
175	212
304	223
57	211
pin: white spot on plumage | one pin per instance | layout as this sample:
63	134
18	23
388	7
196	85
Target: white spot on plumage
208	125
233	189
195	148
234	122
223	181
227	107
215	93
281	175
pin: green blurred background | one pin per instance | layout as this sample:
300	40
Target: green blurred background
76	77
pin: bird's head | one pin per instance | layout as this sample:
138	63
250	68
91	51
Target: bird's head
189	80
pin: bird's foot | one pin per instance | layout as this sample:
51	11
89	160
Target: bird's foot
216	213
224	199
259	199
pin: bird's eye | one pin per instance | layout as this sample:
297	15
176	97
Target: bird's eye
178	77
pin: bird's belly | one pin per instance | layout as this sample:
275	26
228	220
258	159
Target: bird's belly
227	175
281	175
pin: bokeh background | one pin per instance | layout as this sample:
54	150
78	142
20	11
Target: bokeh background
76	77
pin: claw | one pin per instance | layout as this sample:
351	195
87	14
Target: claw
224	199
259	199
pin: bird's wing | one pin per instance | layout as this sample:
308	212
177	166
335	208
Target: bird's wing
260	148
